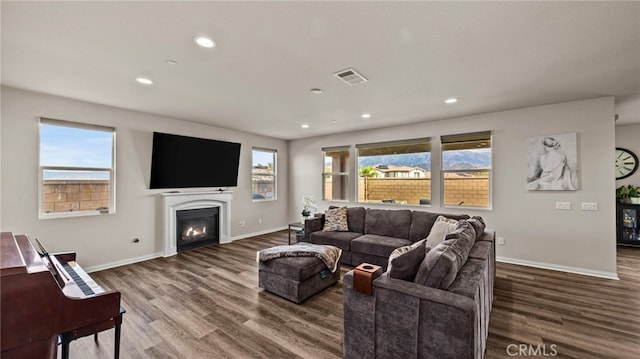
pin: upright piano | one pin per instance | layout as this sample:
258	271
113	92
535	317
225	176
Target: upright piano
44	297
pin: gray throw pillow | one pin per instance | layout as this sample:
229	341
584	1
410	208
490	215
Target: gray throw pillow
441	227
478	225
336	220
404	261
442	263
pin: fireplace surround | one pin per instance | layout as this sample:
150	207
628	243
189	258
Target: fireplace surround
174	202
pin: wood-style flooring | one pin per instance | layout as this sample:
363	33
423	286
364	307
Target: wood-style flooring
206	303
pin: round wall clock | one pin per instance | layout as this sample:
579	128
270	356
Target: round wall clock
626	163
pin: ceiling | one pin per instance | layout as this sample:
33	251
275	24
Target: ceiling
491	55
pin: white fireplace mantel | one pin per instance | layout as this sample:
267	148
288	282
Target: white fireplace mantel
179	201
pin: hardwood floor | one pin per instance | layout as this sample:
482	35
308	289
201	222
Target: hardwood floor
206	303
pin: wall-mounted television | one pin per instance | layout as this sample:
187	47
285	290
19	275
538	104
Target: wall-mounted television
184	162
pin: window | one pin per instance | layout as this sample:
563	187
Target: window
77	169
336	174
466	170
395	172
263	174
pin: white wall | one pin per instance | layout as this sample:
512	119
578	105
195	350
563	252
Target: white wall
106	240
628	136
535	232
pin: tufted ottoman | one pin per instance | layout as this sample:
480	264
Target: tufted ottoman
296	278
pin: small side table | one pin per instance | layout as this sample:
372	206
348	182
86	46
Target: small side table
295	227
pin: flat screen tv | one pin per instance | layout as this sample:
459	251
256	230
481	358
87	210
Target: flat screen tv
184	162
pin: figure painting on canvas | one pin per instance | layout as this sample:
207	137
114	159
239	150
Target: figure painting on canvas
552	163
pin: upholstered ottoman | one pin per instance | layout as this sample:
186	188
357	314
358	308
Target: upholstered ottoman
296	278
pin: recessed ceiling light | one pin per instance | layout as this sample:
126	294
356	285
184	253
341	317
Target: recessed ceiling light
172	62
144	80
316	91
451	100
305	126
333	121
366	115
204	41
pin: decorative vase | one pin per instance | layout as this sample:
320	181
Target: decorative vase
634	200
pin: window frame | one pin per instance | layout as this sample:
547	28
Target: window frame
443	172
41	169
346	173
275	174
421	141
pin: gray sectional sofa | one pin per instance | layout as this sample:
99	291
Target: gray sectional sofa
416	317
374	233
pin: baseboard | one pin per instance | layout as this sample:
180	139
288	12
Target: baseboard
123	262
266	231
159	254
560	268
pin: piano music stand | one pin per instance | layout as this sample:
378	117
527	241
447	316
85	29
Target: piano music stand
95	328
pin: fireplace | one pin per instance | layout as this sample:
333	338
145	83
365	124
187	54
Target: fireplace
197	227
197	209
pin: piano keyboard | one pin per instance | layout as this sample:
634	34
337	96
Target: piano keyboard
82	279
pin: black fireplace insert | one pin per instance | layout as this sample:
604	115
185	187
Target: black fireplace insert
197	227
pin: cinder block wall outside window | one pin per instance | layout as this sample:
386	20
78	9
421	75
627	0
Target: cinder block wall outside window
75	195
472	191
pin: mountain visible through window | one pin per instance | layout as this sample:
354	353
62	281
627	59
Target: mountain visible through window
395	172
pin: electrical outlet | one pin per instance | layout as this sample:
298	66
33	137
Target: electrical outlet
259	220
241	224
563	205
501	241
589	206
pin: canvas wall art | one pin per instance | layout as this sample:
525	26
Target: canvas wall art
552	162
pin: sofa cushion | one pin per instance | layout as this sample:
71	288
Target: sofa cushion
478	225
336	220
390	223
421	223
355	218
442	263
376	245
341	240
404	261
440	229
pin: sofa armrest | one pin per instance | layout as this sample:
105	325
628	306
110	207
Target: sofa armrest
402	319
359	315
490	236
313	224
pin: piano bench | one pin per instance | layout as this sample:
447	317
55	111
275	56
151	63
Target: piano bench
95	328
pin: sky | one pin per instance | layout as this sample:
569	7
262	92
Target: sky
74	147
262	158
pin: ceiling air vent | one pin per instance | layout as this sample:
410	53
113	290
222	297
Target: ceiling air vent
350	76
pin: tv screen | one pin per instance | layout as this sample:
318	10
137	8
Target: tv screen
182	162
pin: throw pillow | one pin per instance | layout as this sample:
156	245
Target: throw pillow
336	220
404	261
441	227
478	224
442	263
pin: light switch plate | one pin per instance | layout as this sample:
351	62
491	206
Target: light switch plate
589	206
563	205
